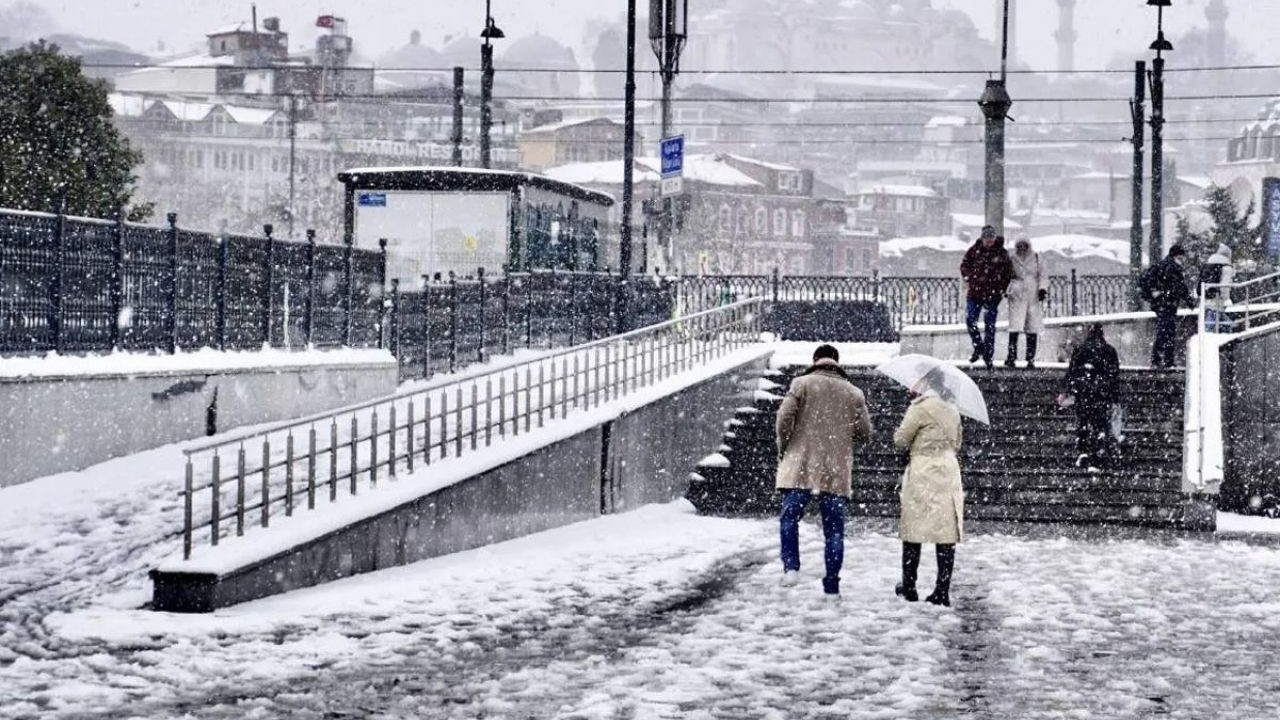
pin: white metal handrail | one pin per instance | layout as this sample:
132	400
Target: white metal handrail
294	463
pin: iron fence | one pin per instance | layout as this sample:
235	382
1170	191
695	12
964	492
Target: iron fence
73	285
253	478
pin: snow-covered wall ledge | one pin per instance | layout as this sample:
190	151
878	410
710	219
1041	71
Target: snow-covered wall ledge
61	413
1132	334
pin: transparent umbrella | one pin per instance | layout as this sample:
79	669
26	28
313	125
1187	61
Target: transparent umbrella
922	373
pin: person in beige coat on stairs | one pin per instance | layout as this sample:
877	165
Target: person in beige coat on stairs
932	494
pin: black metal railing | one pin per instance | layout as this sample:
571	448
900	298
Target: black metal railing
73	285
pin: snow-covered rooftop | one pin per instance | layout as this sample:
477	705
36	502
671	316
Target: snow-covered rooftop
906	190
968	220
607	172
707	169
1070	246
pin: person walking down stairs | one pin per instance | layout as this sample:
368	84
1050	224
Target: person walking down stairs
1027	293
820	421
932	494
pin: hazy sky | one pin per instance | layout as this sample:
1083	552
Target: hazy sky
1105	26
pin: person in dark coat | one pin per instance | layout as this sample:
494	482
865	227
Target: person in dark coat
1164	287
1093	381
987	272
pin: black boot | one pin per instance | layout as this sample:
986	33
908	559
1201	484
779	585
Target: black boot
910	563
1011	361
1032	341
941	594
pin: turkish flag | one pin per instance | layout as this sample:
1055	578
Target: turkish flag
324	21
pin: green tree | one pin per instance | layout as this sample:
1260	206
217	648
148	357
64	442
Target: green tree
57	138
1230	227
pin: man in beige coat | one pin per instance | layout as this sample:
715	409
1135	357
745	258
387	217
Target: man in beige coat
932	494
820	421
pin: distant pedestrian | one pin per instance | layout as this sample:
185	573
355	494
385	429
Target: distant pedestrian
932	494
1093	385
1027	293
987	271
1164	287
822	418
1217	270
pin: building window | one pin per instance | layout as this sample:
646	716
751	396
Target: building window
797	223
779	222
788	181
726	218
762	221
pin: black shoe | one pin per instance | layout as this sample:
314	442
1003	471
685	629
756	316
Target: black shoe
974	357
910	595
939	597
990	365
1011	363
1031	364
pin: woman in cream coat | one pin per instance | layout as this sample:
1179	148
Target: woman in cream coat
931	492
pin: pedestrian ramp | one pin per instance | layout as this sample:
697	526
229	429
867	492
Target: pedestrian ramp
1023	468
460	463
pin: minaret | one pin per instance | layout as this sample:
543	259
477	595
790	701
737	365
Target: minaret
1066	35
1216	13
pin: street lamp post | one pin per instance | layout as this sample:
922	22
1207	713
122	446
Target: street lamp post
491	32
995	104
628	163
668	32
1161	45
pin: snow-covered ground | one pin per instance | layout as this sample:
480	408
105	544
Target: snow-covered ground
657	613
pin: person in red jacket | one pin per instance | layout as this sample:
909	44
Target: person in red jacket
987	272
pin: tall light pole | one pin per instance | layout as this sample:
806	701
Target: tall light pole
995	104
490	32
668	31
1161	45
628	163
1138	112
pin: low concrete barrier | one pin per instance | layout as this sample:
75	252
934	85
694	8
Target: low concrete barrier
1132	334
55	424
608	460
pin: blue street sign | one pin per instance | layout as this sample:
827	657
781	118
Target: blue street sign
1271	215
369	199
672	156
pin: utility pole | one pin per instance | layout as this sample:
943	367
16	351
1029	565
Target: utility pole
491	32
995	105
293	153
628	164
458	98
1138	111
668	32
1161	45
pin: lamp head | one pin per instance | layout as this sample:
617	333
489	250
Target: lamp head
491	30
1161	44
1160	3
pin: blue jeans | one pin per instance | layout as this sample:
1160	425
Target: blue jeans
1217	321
983	344
1164	350
833	508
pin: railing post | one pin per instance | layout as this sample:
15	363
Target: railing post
484	315
348	299
268	276
59	273
453	321
875	285
426	327
1075	298
395	319
528	309
220	297
573	307
382	301
506	310
308	309
117	277
171	321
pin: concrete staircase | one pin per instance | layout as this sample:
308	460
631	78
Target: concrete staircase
1021	469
